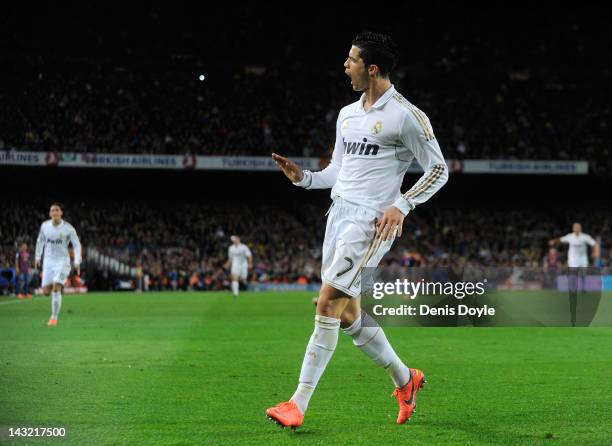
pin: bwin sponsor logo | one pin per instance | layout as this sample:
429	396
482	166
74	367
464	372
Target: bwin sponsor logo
55	242
361	148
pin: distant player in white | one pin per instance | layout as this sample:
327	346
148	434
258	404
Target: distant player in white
52	248
577	253
377	138
578	262
240	258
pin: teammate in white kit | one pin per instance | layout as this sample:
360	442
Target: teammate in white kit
53	239
241	260
578	262
377	138
577	253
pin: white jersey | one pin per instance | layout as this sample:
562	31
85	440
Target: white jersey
53	242
374	149
577	253
238	254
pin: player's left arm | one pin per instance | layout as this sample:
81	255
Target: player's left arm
416	134
596	248
76	247
249	257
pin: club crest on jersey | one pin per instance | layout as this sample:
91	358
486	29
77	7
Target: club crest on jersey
377	128
345	125
361	148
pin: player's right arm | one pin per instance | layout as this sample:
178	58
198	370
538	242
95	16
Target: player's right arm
249	257
323	179
76	247
555	241
40	246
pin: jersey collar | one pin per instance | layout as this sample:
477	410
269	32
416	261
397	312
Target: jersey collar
381	100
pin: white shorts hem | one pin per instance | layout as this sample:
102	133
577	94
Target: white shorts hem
335	285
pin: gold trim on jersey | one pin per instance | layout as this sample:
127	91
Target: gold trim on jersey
418	115
436	172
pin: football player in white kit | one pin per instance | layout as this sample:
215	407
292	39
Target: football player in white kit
377	138
53	239
577	253
241	260
577	262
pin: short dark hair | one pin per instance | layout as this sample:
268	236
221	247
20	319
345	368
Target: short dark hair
58	204
377	49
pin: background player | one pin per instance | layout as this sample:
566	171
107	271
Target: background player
377	138
577	262
53	239
241	260
577	253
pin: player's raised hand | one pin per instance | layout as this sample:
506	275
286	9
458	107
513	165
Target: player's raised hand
289	168
391	220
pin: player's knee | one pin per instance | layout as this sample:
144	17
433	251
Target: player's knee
326	307
348	317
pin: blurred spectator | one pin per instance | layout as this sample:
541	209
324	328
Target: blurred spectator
183	246
23	269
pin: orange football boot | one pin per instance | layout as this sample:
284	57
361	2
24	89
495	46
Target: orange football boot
406	396
285	414
20	296
52	322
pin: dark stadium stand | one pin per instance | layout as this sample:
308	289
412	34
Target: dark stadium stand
524	97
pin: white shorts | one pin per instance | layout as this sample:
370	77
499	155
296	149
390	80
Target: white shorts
240	270
350	245
55	274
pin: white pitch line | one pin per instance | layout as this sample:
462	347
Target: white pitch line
16	301
10	302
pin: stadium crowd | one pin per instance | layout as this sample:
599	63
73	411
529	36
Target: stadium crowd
184	246
483	99
234	90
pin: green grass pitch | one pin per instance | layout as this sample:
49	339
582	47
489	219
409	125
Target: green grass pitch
200	368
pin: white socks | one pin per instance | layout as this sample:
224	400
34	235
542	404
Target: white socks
235	287
319	351
56	303
370	338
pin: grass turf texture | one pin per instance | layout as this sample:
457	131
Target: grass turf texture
198	368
